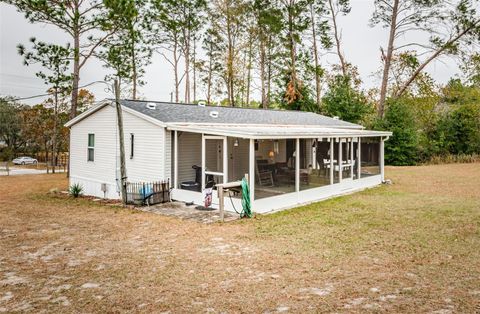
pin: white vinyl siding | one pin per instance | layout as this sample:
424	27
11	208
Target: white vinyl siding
148	164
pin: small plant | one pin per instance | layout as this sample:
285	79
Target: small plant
75	190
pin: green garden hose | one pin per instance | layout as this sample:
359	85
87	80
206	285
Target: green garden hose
246	206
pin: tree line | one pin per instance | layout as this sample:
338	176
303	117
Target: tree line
264	53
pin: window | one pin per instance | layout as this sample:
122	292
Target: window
91	147
132	141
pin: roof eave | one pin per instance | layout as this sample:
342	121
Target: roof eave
250	135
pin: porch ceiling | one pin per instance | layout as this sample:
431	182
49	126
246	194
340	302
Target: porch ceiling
273	131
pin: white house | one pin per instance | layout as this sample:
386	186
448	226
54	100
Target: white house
291	157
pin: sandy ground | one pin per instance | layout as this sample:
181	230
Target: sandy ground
410	247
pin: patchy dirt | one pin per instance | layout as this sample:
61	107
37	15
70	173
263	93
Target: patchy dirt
413	246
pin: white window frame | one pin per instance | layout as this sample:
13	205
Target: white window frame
132	145
90	148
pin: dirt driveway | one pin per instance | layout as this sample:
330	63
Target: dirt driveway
410	247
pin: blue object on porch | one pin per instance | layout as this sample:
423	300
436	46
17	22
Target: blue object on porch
146	190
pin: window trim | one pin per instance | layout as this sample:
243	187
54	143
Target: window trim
90	147
132	145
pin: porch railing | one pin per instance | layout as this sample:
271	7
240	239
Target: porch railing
148	193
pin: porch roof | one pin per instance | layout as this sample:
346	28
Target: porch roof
273	131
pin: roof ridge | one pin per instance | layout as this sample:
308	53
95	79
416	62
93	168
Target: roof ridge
226	107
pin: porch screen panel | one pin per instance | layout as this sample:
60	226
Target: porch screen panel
214	159
315	172
189	155
355	158
274	167
238	154
370	156
336	165
347	163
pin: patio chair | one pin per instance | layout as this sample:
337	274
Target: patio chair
264	176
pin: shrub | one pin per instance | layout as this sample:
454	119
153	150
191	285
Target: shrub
75	190
402	147
449	159
344	101
459	130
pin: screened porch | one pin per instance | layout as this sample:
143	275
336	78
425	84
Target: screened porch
286	169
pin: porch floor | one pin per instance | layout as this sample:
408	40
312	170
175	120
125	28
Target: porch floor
189	212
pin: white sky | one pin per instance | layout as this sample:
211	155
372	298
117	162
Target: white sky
360	42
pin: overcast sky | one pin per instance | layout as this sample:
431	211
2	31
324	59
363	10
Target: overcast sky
361	45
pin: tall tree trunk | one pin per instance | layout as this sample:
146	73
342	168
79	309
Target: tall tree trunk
175	68
134	70
54	138
263	73
336	34
194	69
293	53
315	57
388	59
123	169
209	77
230	55
244	79
187	69
76	73
249	70
269	71
46	153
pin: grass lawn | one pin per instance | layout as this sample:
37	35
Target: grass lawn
410	247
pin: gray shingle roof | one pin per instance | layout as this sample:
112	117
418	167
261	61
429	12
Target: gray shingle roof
173	112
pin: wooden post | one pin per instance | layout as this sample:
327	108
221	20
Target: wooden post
222	202
331	159
123	170
175	160
297	165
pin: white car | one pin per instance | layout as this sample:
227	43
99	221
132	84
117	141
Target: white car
24	160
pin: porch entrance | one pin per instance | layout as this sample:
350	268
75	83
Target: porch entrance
214	160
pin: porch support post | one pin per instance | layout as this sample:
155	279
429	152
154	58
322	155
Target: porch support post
203	163
251	171
382	158
297	165
351	158
359	155
331	159
175	159
340	161
225	160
